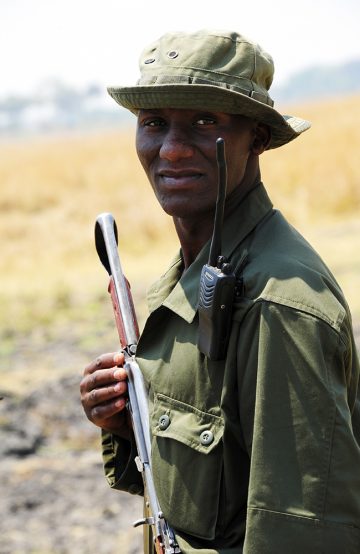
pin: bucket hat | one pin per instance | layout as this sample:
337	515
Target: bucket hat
209	70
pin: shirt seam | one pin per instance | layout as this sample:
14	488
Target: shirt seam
332	417
330	437
301	306
172	402
303	519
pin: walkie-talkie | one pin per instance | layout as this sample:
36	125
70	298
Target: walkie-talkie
217	282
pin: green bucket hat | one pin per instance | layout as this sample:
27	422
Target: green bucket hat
209	70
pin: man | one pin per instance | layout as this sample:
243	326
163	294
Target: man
260	452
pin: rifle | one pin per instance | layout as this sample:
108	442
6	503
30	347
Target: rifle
106	241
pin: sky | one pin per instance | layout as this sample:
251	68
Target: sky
79	42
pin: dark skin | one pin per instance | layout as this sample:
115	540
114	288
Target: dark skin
177	151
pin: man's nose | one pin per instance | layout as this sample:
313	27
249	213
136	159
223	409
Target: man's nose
176	146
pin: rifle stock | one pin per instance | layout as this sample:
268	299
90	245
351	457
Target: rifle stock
126	322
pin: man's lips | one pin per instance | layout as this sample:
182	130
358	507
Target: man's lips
179	176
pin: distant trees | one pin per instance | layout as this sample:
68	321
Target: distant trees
12	109
57	105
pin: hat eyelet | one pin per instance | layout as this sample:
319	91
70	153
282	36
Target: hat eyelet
149	60
172	54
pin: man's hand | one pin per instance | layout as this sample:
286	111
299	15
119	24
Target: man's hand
103	392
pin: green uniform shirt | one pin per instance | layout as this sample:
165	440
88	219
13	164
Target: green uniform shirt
261	454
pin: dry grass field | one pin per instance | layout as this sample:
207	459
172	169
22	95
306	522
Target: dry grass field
52	188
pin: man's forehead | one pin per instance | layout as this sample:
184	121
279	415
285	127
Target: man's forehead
189	113
177	111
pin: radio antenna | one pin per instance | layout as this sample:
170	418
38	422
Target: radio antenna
215	248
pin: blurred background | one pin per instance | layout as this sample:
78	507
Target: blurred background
67	154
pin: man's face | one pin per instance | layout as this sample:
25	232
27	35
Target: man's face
177	149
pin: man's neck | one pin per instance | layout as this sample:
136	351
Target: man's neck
193	235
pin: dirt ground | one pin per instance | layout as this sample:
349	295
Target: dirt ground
54	498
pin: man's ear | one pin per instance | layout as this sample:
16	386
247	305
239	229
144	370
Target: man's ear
261	139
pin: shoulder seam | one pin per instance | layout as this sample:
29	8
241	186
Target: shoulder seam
301	306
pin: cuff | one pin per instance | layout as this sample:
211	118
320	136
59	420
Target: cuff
119	464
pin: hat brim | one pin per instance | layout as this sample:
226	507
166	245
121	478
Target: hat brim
284	128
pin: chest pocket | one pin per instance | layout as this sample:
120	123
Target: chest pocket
187	464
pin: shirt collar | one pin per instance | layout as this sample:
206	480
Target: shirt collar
178	292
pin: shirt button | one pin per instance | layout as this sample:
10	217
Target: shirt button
173	54
206	438
164	422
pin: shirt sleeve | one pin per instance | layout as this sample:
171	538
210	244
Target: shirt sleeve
119	465
297	408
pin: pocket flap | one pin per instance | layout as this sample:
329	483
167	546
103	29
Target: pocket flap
179	421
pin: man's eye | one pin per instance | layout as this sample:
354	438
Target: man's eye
153	123
205	121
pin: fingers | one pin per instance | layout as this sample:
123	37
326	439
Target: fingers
103	378
103	371
102	412
100	395
105	361
103	389
102	386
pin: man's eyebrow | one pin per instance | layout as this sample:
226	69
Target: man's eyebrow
150	110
